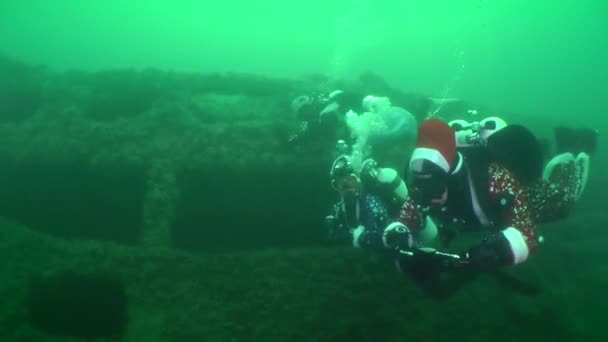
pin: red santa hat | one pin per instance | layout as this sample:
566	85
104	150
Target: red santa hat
436	144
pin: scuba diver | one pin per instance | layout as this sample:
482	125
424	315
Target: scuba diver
369	200
486	177
322	116
352	117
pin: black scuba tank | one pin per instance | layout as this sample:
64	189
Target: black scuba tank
517	149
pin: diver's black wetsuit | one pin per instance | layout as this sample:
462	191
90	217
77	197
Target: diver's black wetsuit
323	118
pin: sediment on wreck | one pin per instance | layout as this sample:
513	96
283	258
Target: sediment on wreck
163	159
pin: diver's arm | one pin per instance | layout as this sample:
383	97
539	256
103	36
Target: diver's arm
400	233
410	216
301	134
373	220
391	178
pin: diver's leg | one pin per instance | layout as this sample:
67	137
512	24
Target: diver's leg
577	144
569	173
548	202
565	175
553	198
564	179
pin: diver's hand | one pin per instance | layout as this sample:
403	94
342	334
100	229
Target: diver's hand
490	254
331	226
335	230
482	258
397	236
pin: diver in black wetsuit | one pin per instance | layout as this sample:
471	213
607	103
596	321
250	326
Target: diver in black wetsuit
487	178
490	175
322	116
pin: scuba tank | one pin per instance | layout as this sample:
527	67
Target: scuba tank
513	146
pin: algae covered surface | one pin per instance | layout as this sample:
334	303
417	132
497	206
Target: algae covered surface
327	294
148	191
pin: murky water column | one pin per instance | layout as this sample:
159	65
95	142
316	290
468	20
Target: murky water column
159	205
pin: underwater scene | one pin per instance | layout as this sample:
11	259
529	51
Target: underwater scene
348	170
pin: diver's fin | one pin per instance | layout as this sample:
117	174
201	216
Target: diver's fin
545	148
576	140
